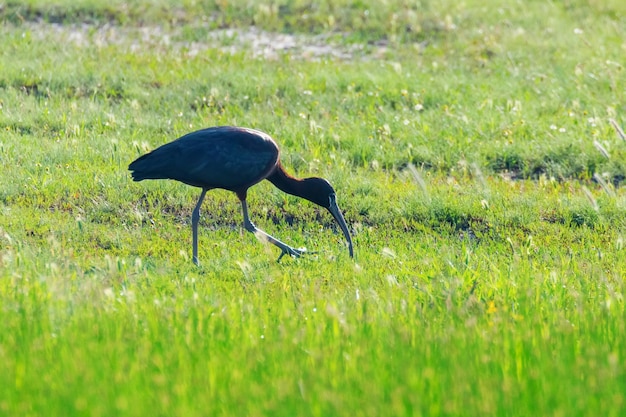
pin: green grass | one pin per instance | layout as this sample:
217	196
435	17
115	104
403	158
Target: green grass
488	279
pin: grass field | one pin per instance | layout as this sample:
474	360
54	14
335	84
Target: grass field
472	150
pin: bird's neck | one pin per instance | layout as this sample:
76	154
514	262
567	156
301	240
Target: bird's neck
286	182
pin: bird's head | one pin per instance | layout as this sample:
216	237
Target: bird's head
320	192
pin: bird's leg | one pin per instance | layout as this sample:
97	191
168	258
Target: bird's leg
195	218
250	227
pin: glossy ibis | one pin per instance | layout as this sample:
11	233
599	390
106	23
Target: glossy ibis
233	158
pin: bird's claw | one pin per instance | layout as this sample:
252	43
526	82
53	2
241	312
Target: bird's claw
292	252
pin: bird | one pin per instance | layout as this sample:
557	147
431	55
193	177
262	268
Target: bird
234	159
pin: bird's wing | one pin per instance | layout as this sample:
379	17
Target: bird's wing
226	158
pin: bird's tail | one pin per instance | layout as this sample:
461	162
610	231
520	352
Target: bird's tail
143	168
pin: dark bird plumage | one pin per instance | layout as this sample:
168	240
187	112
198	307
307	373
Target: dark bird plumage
234	159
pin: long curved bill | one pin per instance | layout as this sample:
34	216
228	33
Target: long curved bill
334	210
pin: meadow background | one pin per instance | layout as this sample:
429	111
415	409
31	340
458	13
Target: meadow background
472	149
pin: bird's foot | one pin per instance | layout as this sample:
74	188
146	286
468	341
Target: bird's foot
292	252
